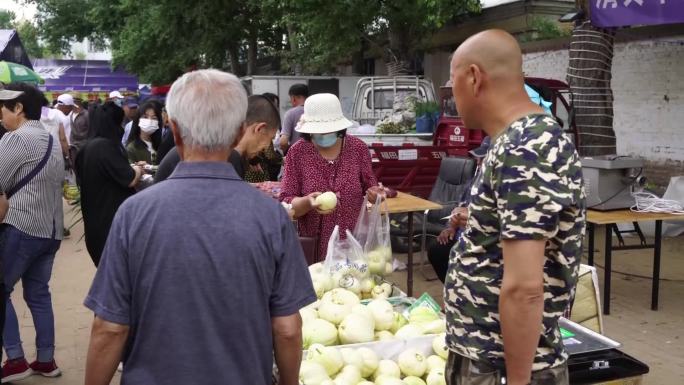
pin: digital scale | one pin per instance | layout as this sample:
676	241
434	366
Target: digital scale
595	358
608	181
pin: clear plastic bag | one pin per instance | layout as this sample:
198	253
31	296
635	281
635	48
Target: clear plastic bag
346	262
372	230
70	189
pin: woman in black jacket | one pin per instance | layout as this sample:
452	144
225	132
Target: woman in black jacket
104	176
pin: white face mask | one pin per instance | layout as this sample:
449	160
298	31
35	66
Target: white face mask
148	126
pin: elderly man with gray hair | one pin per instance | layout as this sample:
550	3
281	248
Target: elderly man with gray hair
202	276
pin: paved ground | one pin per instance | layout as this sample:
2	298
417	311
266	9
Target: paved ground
71	277
653	337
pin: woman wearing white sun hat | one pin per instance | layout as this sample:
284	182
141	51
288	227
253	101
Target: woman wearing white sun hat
326	159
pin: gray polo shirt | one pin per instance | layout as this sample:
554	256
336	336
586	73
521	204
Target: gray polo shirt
290	122
197	265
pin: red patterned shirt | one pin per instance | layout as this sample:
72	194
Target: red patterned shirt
348	176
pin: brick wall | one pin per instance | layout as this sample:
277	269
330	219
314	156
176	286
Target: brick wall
648	86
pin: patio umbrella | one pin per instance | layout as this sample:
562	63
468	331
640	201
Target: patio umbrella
13	72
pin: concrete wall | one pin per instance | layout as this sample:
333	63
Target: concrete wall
648	86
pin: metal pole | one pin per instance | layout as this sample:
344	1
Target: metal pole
394	95
409	271
417	93
372	94
590	252
656	264
608	268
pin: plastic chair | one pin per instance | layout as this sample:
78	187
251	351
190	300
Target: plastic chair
455	174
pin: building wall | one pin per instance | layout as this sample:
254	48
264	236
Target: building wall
91	52
648	87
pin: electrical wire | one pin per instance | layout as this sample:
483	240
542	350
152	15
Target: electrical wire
627	185
651	203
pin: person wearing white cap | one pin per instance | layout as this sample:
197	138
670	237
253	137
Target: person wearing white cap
326	160
116	97
65	104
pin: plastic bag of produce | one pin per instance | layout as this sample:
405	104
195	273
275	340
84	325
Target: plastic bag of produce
346	262
70	190
372	230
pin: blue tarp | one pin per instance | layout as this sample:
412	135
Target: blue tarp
537	99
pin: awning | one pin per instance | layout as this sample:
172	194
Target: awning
83	75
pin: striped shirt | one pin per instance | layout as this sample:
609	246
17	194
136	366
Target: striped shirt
36	209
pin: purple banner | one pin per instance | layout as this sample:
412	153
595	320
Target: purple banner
84	75
620	13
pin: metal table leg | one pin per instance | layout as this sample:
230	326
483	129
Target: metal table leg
656	264
590	254
608	268
409	267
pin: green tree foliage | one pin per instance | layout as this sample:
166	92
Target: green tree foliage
6	19
326	32
160	39
544	29
60	22
28	33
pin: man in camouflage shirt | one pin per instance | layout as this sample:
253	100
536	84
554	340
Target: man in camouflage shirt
514	269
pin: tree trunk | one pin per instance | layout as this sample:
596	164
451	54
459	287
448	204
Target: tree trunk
359	62
252	48
234	56
589	77
291	38
397	58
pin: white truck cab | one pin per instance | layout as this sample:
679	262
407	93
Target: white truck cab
376	98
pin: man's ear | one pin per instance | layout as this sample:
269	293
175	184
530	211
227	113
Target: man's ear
241	134
177	138
259	127
475	79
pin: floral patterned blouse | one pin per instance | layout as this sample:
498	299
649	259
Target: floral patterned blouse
348	176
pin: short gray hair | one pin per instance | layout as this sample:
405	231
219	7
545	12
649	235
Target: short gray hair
209	107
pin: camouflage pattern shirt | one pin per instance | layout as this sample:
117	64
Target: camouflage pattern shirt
529	188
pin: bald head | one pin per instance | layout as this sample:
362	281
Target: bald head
495	52
487	80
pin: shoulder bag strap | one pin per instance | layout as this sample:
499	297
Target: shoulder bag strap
24	181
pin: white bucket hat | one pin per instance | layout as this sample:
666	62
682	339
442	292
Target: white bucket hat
322	115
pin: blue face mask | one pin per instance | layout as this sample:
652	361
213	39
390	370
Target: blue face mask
325	140
118	102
